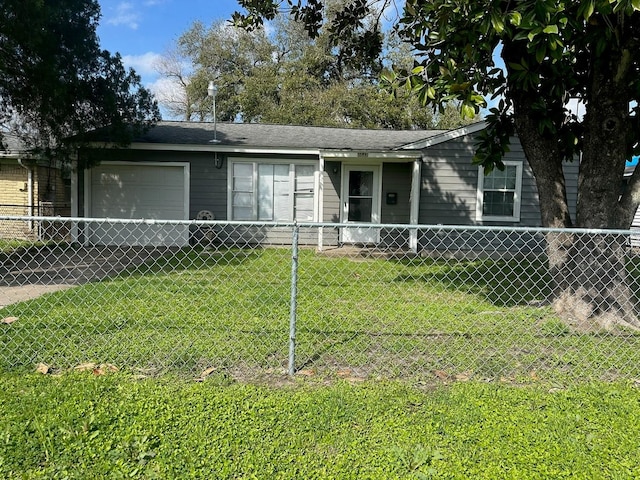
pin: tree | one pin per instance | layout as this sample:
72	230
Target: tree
552	51
230	57
56	83
288	77
175	95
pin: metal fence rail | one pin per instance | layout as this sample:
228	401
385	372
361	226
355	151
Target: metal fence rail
257	299
28	228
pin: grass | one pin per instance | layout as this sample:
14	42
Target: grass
10	245
370	317
79	426
443	328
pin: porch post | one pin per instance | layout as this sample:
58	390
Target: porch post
415	204
319	188
75	234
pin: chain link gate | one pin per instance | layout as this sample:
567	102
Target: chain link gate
253	300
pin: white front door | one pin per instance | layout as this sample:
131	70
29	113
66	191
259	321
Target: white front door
360	203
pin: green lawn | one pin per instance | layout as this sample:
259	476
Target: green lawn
80	426
412	318
443	328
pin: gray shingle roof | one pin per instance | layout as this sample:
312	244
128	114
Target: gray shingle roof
10	144
282	136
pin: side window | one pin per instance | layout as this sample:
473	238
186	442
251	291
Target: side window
498	196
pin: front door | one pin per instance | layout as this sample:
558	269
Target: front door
360	203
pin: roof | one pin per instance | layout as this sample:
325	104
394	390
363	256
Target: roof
11	145
446	135
282	136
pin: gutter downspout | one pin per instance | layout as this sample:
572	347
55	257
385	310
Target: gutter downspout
29	190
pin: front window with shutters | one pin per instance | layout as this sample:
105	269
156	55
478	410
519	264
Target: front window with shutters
272	192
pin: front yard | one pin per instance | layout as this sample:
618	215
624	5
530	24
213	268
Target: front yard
81	426
488	383
230	310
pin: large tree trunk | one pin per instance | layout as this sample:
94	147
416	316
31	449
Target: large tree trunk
592	288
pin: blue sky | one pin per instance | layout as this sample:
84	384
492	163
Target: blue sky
141	30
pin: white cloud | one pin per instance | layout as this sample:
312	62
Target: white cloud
144	64
124	15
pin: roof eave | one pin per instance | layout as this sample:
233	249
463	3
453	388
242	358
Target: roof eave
236	149
445	136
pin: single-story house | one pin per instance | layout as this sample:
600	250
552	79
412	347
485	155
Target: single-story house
282	173
29	186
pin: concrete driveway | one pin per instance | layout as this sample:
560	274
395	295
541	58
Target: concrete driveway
30	273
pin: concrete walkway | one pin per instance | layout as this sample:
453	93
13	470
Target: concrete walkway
11	295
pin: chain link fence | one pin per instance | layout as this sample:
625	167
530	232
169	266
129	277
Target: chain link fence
251	300
29	229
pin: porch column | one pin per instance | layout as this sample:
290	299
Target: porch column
75	234
415	204
319	196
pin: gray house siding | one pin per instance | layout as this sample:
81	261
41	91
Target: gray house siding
448	196
396	179
331	202
208	186
571	178
449	186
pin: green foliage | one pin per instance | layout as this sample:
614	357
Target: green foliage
81	426
8	246
55	82
288	77
549	50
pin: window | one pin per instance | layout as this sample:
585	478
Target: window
272	191
498	195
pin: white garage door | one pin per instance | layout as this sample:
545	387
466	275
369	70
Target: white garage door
139	191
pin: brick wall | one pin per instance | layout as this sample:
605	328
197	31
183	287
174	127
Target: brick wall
13	180
49	197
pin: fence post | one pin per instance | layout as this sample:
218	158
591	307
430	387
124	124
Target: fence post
294	299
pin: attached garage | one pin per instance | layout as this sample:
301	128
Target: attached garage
150	191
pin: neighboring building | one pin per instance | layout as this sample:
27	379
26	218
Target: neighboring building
630	166
278	173
29	186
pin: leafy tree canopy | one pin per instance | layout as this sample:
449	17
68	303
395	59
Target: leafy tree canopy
290	77
55	82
